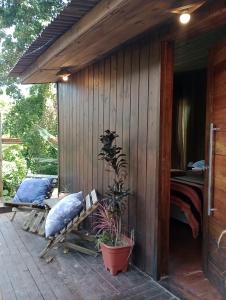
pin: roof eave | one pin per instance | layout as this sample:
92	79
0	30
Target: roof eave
97	33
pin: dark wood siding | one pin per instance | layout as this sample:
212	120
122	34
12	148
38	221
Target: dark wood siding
120	92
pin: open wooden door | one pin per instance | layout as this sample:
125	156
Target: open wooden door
215	196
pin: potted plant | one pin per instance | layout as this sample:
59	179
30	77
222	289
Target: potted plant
115	246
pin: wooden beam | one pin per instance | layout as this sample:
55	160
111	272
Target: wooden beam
81	249
166	101
4	209
97	15
24	205
11	141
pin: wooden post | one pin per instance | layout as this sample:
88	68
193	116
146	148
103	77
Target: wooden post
1	182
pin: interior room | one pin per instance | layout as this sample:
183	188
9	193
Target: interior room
188	165
187	172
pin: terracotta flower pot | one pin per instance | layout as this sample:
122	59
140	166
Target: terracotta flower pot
116	259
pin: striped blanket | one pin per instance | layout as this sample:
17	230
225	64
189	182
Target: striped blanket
188	197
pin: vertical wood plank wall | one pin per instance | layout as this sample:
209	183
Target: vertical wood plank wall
121	92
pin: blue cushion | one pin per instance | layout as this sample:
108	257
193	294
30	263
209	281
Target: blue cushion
33	190
199	164
63	212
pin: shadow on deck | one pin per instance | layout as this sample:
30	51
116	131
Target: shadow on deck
69	276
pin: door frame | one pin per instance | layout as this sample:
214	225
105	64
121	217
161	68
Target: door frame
166	101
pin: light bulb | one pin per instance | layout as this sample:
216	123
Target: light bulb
65	77
185	18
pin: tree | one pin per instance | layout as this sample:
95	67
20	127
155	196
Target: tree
26	117
20	23
14	168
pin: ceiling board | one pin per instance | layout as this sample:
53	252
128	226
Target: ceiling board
193	54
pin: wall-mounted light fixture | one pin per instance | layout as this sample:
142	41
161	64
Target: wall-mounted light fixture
64	74
186	11
185	18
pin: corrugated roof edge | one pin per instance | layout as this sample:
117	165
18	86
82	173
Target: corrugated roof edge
71	14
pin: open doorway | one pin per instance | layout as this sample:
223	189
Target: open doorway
186	277
187	175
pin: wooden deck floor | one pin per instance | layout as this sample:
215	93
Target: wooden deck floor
186	277
69	276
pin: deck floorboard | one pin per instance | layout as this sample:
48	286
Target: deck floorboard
70	276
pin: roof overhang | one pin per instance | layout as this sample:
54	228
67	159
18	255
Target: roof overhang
105	27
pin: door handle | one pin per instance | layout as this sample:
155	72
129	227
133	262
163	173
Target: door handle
210	169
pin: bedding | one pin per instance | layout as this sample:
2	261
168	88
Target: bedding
188	197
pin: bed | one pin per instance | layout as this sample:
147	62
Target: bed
187	200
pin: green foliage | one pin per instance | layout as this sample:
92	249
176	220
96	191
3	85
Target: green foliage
14	169
23	121
45	166
105	238
20	23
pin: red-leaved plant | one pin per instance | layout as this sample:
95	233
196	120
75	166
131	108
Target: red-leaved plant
108	226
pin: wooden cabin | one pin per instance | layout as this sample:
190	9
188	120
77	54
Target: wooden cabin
161	85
